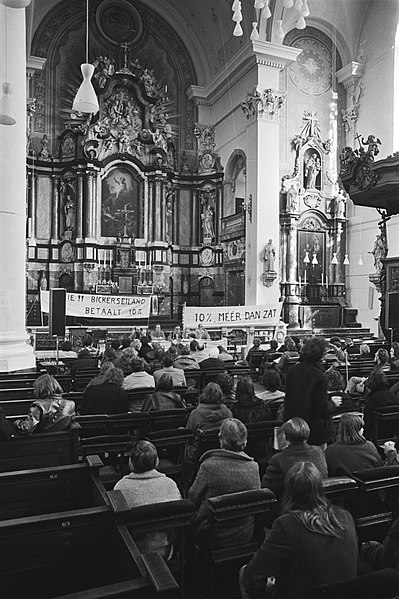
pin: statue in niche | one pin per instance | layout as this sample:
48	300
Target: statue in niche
168	213
312	169
70	213
43	283
207	223
340	204
44	153
379	252
292	199
269	256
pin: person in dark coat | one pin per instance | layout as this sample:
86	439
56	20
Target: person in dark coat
210	411
107	397
163	398
85	361
351	451
145	347
379	397
226	383
310	544
248	407
222	471
383	555
297	433
213	362
306	393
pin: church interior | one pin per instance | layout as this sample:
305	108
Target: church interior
190	158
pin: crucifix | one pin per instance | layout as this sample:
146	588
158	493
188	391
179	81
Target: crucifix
125	47
125	212
357	138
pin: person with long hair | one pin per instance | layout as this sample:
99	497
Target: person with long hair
310	544
107	397
163	398
248	407
351	451
211	410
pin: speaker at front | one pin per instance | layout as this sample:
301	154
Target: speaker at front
57	312
393	311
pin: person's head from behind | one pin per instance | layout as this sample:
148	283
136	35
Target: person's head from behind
296	430
165	383
213	352
350	430
273	344
125	342
314	350
87	341
382	356
66	346
303	488
194	345
212	394
335	382
106	365
136	344
257	342
114	376
115	344
184	350
46	386
137	364
271	380
233	435
376	380
245	389
364	349
109	355
84	354
167	360
226	382
145	340
221	349
143	457
290	344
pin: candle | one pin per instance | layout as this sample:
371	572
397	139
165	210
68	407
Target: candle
150	262
300	281
322	279
145	261
305	277
326	281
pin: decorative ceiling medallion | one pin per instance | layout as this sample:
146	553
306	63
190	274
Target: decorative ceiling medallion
312	70
119	22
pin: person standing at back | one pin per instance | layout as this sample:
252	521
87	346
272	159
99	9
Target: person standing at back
306	393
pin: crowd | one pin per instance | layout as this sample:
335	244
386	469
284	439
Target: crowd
310	541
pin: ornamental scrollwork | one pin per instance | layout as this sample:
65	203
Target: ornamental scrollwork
265	104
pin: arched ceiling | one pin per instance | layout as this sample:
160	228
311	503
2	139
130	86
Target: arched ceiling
205	26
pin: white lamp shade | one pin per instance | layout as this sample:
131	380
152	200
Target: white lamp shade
306	258
254	33
237	16
334	259
301	23
236	5
15	3
360	260
346	260
288	3
266	14
314	259
238	30
7	116
259	4
280	31
304	10
86	99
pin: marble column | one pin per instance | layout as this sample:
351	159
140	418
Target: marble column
262	110
15	351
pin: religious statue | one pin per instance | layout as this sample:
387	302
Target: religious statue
43	283
292	199
312	169
340	204
70	213
44	153
269	256
379	252
207	223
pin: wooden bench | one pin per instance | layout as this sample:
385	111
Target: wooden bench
386	426
40	450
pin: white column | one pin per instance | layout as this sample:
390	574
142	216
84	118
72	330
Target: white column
15	353
349	76
263	110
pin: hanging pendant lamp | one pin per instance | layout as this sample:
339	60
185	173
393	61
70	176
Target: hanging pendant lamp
254	33
86	99
334	259
306	258
346	260
280	34
314	259
360	260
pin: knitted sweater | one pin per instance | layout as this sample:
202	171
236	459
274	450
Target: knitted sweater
343	459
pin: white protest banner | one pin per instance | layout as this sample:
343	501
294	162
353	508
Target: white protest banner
232	316
102	306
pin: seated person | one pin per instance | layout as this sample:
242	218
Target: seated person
109	355
358	384
145	485
291	352
210	411
49	412
66	351
107	397
177	374
186	361
224	355
350	347
222	471
296	432
255	347
145	347
201	333
364	351
379	397
273	348
163	398
351	451
157	333
248	407
85	361
198	351
310	544
213	362
88	344
391	453
272	383
385	554
176	334
335	386
124	361
138	379
226	383
394	355
154	358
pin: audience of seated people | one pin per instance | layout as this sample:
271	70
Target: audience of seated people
138	379
222	471
177	374
145	485
379	396
296	432
49	412
107	397
351	451
185	360
163	398
358	384
310	544
248	407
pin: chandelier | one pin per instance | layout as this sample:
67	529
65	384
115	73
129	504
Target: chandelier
263	12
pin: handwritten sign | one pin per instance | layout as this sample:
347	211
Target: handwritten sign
102	306
232	316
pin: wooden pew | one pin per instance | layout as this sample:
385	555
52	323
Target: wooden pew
26	493
76	554
40	450
386	425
